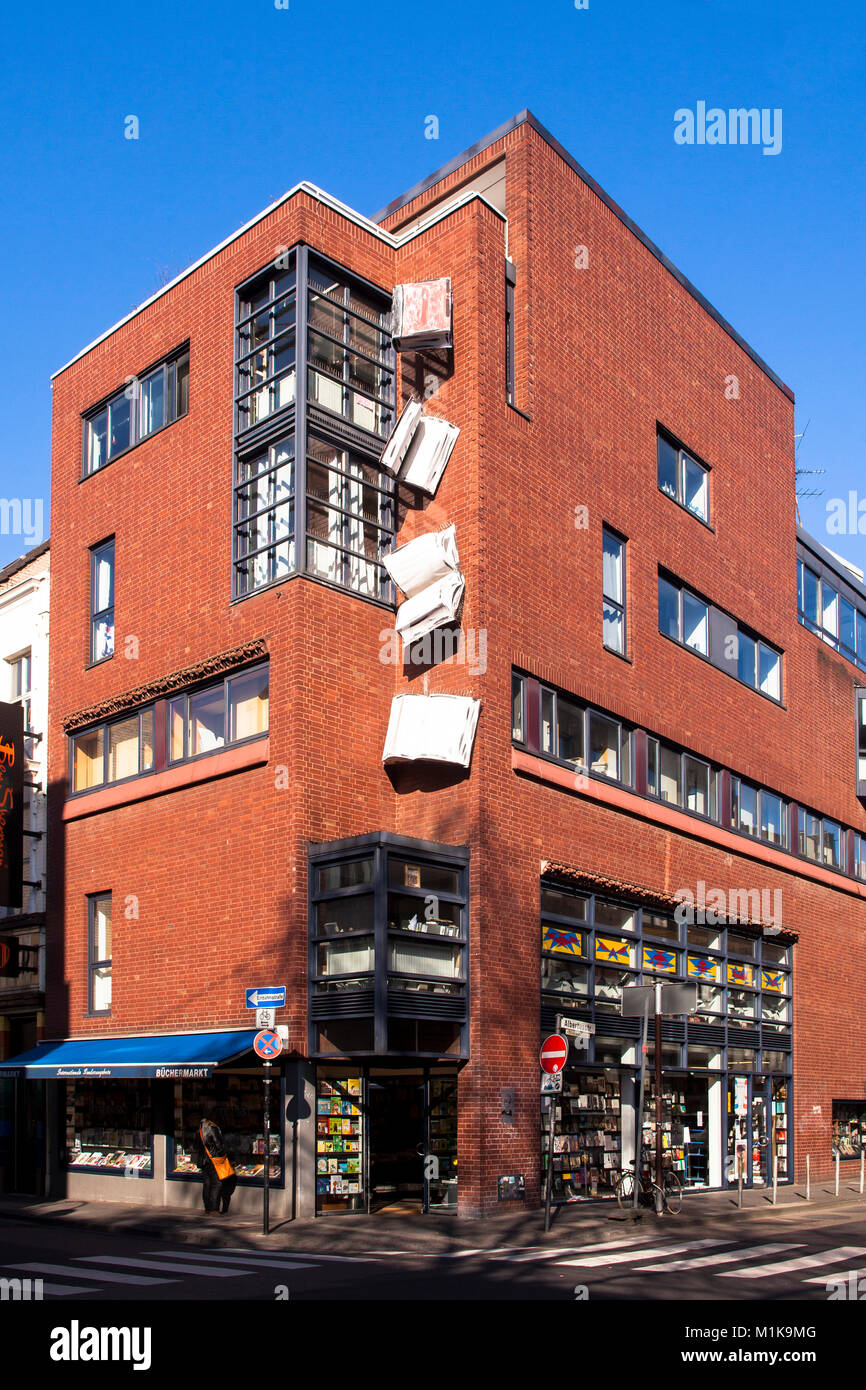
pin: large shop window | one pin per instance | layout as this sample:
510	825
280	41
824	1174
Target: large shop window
109	1127
388	939
235	1104
592	948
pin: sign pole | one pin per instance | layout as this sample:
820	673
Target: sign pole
548	1189
658	1070
639	1135
266	1194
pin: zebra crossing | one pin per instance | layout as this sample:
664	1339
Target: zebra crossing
766	1261
103	1273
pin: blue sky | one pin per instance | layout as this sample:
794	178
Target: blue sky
238	101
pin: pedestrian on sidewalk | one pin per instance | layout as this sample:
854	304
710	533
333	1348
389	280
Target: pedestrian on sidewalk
218	1176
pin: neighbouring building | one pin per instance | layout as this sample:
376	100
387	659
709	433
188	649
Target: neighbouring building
24	595
426	640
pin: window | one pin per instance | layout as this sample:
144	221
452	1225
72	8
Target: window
681	779
349	519
860	697
518	708
102	601
859	855
584	737
145	405
196	723
21	694
99	953
312	500
830	615
266	331
113	752
819	839
613	591
757	812
264	525
697	624
351	369
683	478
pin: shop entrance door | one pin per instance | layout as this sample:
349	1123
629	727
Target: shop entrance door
695	1131
397	1142
749	1126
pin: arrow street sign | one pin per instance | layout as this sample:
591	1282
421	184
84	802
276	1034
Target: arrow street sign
274	997
268	1044
554	1052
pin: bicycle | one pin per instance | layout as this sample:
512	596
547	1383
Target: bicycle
668	1197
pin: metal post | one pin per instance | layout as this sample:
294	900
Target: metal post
808	1177
266	1194
658	1071
740	1157
548	1190
837	1172
862	1161
775	1176
639	1134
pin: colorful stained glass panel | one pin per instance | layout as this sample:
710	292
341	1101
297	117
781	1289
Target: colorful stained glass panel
662	962
773	979
617	952
741	975
702	968
565	943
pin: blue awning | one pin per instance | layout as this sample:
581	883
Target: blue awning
171	1056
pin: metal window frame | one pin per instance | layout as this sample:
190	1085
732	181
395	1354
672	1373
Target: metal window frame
168	364
383	846
94	964
96	615
620	607
510	282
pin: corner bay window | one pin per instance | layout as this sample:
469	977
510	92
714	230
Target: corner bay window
309	494
387	943
195	723
824	609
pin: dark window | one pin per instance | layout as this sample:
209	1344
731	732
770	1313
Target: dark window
102	601
349	518
694	623
860	705
99	953
266	334
21	694
757	812
681	779
584	737
518	709
819	839
683	478
351	369
613	591
147	403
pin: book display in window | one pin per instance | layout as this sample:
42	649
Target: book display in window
587	1141
235	1103
780	1128
673	1127
339	1145
849	1128
108	1126
442	1190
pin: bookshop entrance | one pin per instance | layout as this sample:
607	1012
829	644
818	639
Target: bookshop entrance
386	1139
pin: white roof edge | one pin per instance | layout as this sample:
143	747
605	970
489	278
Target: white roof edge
314	192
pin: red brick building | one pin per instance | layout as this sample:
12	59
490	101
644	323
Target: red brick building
659	719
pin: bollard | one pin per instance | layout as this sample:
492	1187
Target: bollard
862	1161
808	1177
739	1178
837	1172
775	1176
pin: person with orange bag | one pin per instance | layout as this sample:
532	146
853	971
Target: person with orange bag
218	1176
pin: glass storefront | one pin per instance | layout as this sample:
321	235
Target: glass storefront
109	1126
726	1068
385	1139
849	1128
236	1103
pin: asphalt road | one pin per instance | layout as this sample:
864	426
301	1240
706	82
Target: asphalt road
789	1256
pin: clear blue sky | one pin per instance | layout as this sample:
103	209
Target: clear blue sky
238	101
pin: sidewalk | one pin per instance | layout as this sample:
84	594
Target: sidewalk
433	1234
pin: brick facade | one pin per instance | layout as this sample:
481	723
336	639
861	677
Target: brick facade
209	880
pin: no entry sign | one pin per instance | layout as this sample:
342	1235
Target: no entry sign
554	1051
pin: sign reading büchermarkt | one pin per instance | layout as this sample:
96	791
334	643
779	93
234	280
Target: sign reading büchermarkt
11	803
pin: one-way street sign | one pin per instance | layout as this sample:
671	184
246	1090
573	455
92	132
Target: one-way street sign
272	997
